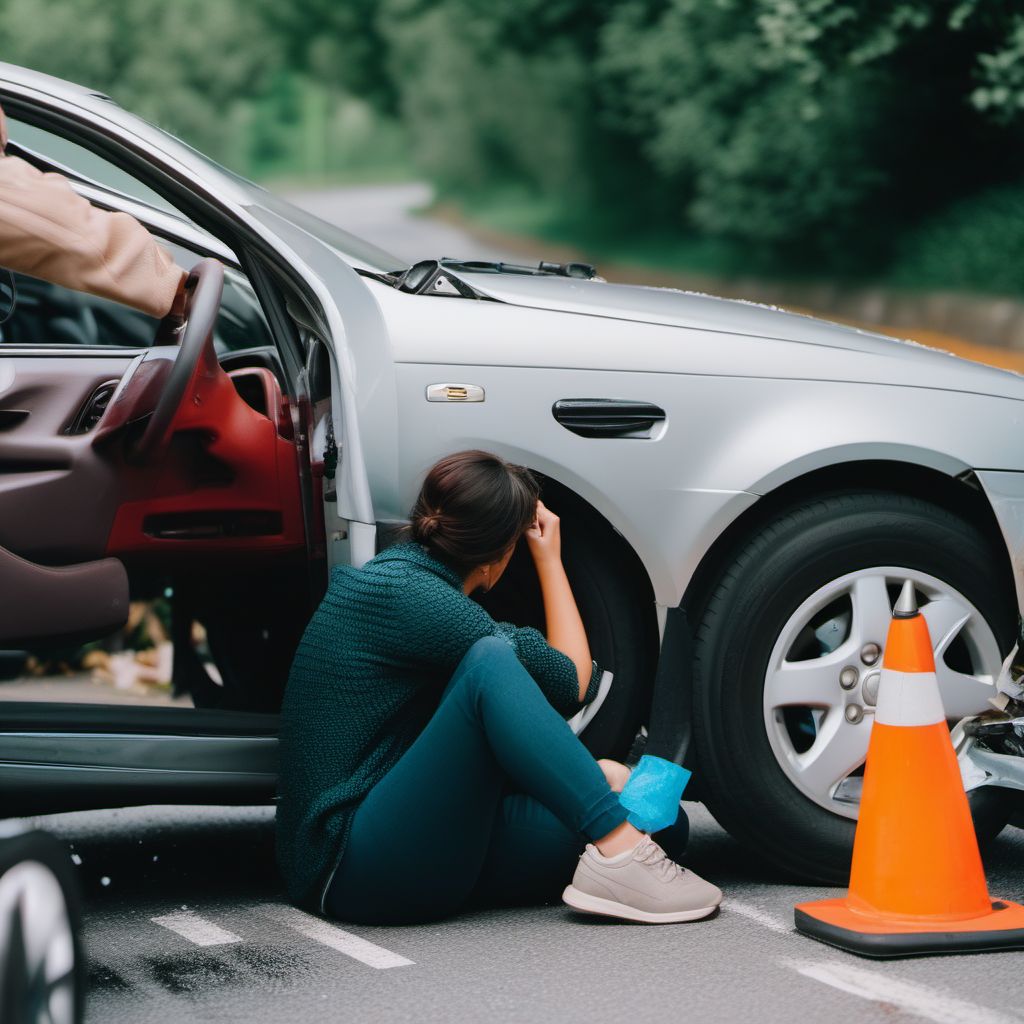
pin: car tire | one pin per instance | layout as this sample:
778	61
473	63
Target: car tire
42	972
767	580
622	639
621	634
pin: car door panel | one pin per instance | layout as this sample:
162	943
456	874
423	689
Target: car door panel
55	503
47	602
70	497
57	492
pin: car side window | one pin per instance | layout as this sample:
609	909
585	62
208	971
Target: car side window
83	162
47	315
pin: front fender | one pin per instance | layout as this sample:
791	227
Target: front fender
1005	493
855	452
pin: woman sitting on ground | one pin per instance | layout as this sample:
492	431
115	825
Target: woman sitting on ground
426	765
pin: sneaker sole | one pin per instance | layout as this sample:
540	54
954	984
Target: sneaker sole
588	904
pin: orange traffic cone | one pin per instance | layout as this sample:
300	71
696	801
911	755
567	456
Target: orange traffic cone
916	885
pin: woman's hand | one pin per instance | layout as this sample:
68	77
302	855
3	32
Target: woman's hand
564	626
616	774
544	537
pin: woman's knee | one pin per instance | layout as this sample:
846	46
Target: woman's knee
488	648
489	658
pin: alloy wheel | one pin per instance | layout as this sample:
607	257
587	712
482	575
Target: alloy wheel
821	683
37	949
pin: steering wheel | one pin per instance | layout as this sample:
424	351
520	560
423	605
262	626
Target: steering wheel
196	357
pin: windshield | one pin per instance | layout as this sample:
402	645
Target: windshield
357	251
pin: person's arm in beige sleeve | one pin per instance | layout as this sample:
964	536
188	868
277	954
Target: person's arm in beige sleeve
49	231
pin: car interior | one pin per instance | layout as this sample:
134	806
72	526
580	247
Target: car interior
219	525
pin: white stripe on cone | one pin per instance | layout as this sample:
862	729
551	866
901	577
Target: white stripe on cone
908	698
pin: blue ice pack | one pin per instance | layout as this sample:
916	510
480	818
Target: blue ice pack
652	793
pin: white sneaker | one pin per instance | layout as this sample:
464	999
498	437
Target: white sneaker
641	884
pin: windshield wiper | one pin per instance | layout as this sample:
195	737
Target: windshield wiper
438	277
582	271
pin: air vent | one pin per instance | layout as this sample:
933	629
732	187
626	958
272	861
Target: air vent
92	411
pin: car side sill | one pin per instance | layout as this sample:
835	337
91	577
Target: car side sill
44	772
71	718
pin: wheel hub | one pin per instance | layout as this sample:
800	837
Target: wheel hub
822	679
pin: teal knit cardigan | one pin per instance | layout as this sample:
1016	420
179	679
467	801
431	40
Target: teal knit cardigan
367	675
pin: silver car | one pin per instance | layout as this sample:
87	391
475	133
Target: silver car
741	490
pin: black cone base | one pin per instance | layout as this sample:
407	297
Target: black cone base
894	945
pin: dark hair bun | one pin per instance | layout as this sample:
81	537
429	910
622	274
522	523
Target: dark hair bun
426	526
473	505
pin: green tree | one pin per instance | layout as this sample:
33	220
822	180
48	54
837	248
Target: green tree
184	65
780	125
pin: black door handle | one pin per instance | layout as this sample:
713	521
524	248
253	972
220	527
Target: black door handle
607	417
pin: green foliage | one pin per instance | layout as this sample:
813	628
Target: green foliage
812	132
339	42
217	74
221	52
824	135
972	245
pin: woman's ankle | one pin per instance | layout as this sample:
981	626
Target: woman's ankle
621	838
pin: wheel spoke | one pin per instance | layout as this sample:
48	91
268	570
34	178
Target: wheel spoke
813	683
872	611
945	616
962	694
839	749
60	1000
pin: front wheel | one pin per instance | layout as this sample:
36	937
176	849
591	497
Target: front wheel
788	656
41	964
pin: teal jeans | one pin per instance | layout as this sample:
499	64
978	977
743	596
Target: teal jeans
491	805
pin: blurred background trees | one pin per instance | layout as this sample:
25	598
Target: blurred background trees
771	136
217	74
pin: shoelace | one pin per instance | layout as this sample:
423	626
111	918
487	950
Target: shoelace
649	852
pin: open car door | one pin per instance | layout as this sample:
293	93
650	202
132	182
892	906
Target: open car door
115	452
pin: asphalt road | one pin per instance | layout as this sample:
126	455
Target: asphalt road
386	216
185	921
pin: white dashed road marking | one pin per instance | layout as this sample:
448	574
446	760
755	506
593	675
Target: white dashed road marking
904	995
196	929
755	914
328	935
866	984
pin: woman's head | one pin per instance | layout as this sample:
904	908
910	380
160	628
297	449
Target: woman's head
472	509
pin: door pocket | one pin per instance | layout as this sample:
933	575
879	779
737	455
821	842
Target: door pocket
82	601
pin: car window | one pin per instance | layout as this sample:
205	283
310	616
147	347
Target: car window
84	163
46	314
